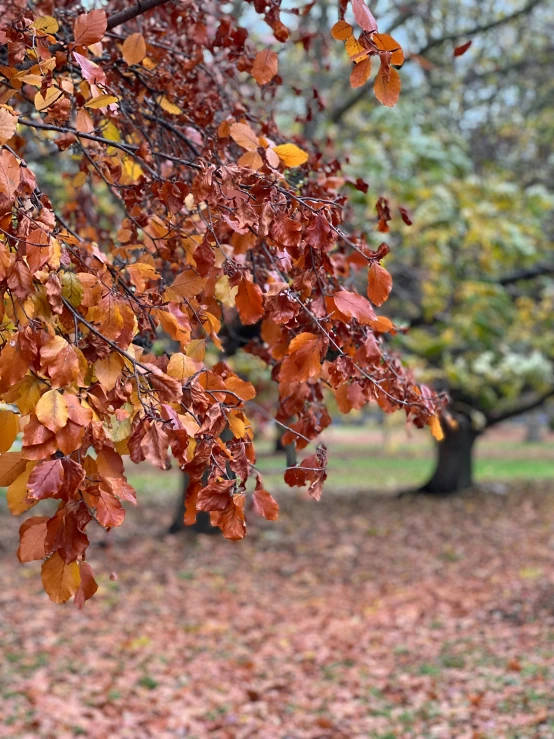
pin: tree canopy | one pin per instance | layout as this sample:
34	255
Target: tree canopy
176	200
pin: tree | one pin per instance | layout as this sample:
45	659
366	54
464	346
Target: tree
180	201
466	155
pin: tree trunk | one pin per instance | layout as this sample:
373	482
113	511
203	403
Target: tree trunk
202	525
535	427
454	469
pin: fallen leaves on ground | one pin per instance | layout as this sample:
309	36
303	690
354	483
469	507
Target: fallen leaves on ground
356	617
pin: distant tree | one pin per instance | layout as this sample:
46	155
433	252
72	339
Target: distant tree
466	153
176	199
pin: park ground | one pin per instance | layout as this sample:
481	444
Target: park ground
363	615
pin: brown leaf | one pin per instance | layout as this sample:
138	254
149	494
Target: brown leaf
360	73
387	86
264	504
341	30
87	586
265	67
32	535
215	496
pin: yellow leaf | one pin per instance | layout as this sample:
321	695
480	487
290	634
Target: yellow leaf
236	424
169	107
436	428
12	464
224	292
353	47
134	49
180	366
53	94
46	24
102	101
51	411
9	428
72	289
16	496
24	394
60	580
291	155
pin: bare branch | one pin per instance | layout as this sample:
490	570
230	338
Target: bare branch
142	6
494	418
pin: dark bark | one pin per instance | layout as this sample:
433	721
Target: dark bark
202	525
454	468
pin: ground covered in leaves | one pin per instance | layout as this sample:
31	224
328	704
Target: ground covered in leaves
359	616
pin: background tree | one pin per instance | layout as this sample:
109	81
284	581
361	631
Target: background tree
473	273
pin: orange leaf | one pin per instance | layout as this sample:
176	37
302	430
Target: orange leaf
12	464
60	580
52	410
249	302
10	173
360	73
134	49
251	159
387	86
265	66
90	27
8	124
291	155
354	306
9	428
436	428
304	359
186	285
341	30
379	283
384	42
244	136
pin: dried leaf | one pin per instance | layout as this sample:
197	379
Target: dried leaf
134	49
265	67
60	580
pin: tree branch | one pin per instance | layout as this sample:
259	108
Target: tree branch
527	274
480	29
494	419
142	6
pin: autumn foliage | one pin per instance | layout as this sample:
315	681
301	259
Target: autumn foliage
177	212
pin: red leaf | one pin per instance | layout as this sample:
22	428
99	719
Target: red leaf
46	480
460	50
264	504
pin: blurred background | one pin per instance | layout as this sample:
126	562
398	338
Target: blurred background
369	614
